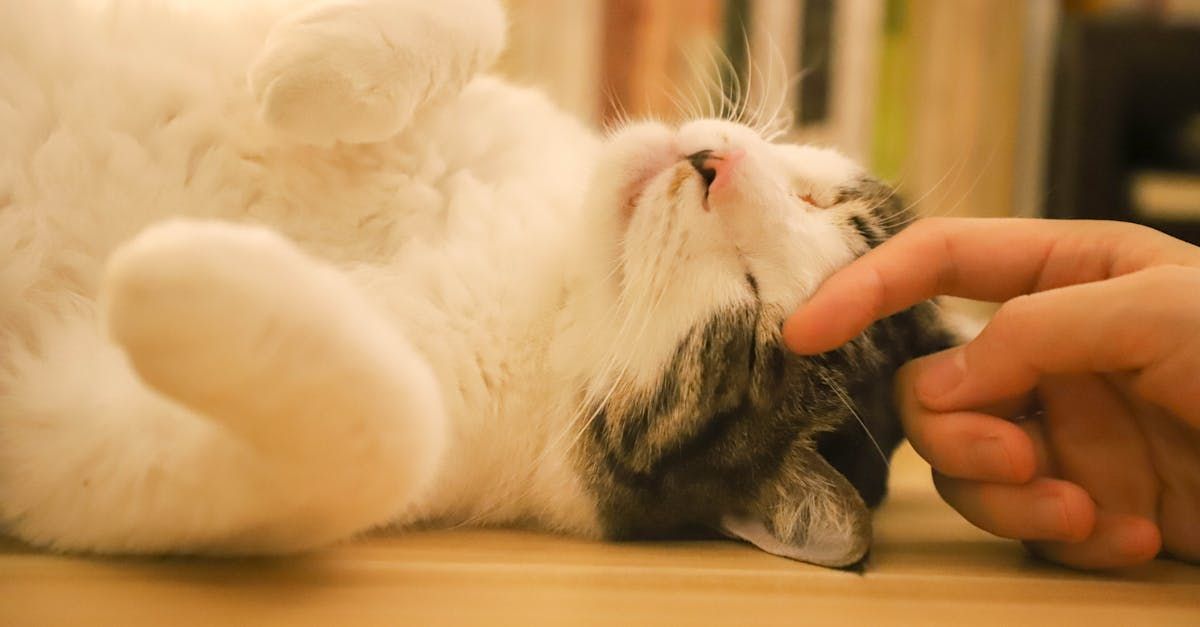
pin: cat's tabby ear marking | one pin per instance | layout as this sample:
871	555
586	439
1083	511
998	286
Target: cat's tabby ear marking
808	513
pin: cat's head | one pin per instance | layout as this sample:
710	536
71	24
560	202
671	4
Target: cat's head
700	418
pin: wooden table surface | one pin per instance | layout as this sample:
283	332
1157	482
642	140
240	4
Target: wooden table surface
927	567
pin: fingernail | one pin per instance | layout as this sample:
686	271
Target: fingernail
989	456
1050	517
944	372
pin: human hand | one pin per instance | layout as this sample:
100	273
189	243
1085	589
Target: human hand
1100	329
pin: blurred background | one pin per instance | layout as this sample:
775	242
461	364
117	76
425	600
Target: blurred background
1058	108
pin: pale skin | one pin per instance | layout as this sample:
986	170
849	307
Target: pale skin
1072	422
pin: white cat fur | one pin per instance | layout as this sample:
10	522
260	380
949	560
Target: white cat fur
360	285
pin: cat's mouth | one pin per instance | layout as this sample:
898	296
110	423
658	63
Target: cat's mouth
702	165
631	193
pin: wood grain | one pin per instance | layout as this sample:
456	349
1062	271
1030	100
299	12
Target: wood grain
927	567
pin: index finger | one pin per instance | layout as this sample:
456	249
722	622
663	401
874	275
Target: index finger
980	258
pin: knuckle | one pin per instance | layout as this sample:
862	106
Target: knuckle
876	290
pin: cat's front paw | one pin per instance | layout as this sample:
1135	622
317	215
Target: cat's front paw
322	80
357	72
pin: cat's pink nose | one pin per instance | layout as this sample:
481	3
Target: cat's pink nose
715	167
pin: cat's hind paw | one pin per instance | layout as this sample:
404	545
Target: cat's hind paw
179	295
241	326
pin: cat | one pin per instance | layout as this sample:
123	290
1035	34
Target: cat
274	274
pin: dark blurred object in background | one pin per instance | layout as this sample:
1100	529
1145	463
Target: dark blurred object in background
1125	138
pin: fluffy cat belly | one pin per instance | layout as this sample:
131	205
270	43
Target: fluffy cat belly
457	215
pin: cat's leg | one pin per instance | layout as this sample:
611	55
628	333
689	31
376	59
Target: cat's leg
357	71
275	410
283	351
91	459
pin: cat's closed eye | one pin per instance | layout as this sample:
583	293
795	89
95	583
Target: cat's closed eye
811	200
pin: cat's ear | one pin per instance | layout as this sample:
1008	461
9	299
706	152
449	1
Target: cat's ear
809	512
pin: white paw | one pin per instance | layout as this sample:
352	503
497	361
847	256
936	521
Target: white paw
181	293
332	74
823	546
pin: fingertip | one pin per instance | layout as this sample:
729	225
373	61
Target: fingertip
1138	539
803	334
1079	512
796	336
1117	541
840	309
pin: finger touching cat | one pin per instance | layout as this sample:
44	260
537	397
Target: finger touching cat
984	259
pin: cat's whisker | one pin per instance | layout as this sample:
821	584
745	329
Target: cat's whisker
957	168
708	78
620	114
677	102
745	95
588	403
727	87
674	92
700	88
723	66
695	108
756	120
632	311
503	495
619	379
780	120
974	183
952	170
845	400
